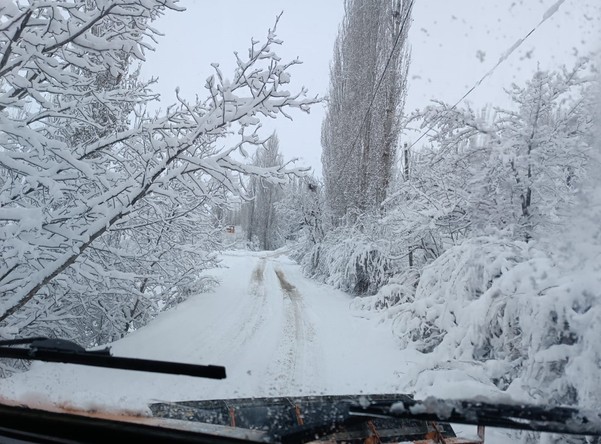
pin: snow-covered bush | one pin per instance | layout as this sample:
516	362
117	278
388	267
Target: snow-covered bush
351	260
533	318
506	312
399	289
449	287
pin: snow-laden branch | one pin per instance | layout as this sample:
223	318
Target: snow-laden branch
73	166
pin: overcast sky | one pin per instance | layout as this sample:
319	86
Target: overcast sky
454	43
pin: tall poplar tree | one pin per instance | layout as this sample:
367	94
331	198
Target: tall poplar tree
261	225
367	95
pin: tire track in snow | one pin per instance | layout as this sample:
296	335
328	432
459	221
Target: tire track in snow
229	338
296	362
239	334
254	315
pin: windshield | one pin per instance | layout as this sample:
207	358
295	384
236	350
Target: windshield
326	198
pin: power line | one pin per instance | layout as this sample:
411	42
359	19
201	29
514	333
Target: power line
391	55
550	12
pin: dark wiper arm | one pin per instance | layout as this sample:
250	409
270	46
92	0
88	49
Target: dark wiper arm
60	350
313	432
512	416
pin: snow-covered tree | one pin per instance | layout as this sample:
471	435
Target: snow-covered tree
367	93
521	165
511	304
299	213
261	224
103	217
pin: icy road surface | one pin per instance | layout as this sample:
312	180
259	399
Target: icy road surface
276	332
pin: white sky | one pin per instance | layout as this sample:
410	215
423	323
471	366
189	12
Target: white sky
454	43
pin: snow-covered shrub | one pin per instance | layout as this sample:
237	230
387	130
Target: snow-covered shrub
560	324
447	287
533	318
399	290
501	316
349	259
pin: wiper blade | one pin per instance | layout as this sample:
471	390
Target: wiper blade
302	419
389	417
564	420
60	350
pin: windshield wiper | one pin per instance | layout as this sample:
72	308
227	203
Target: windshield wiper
564	420
439	412
61	350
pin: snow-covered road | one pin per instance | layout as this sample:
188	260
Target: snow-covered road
276	332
